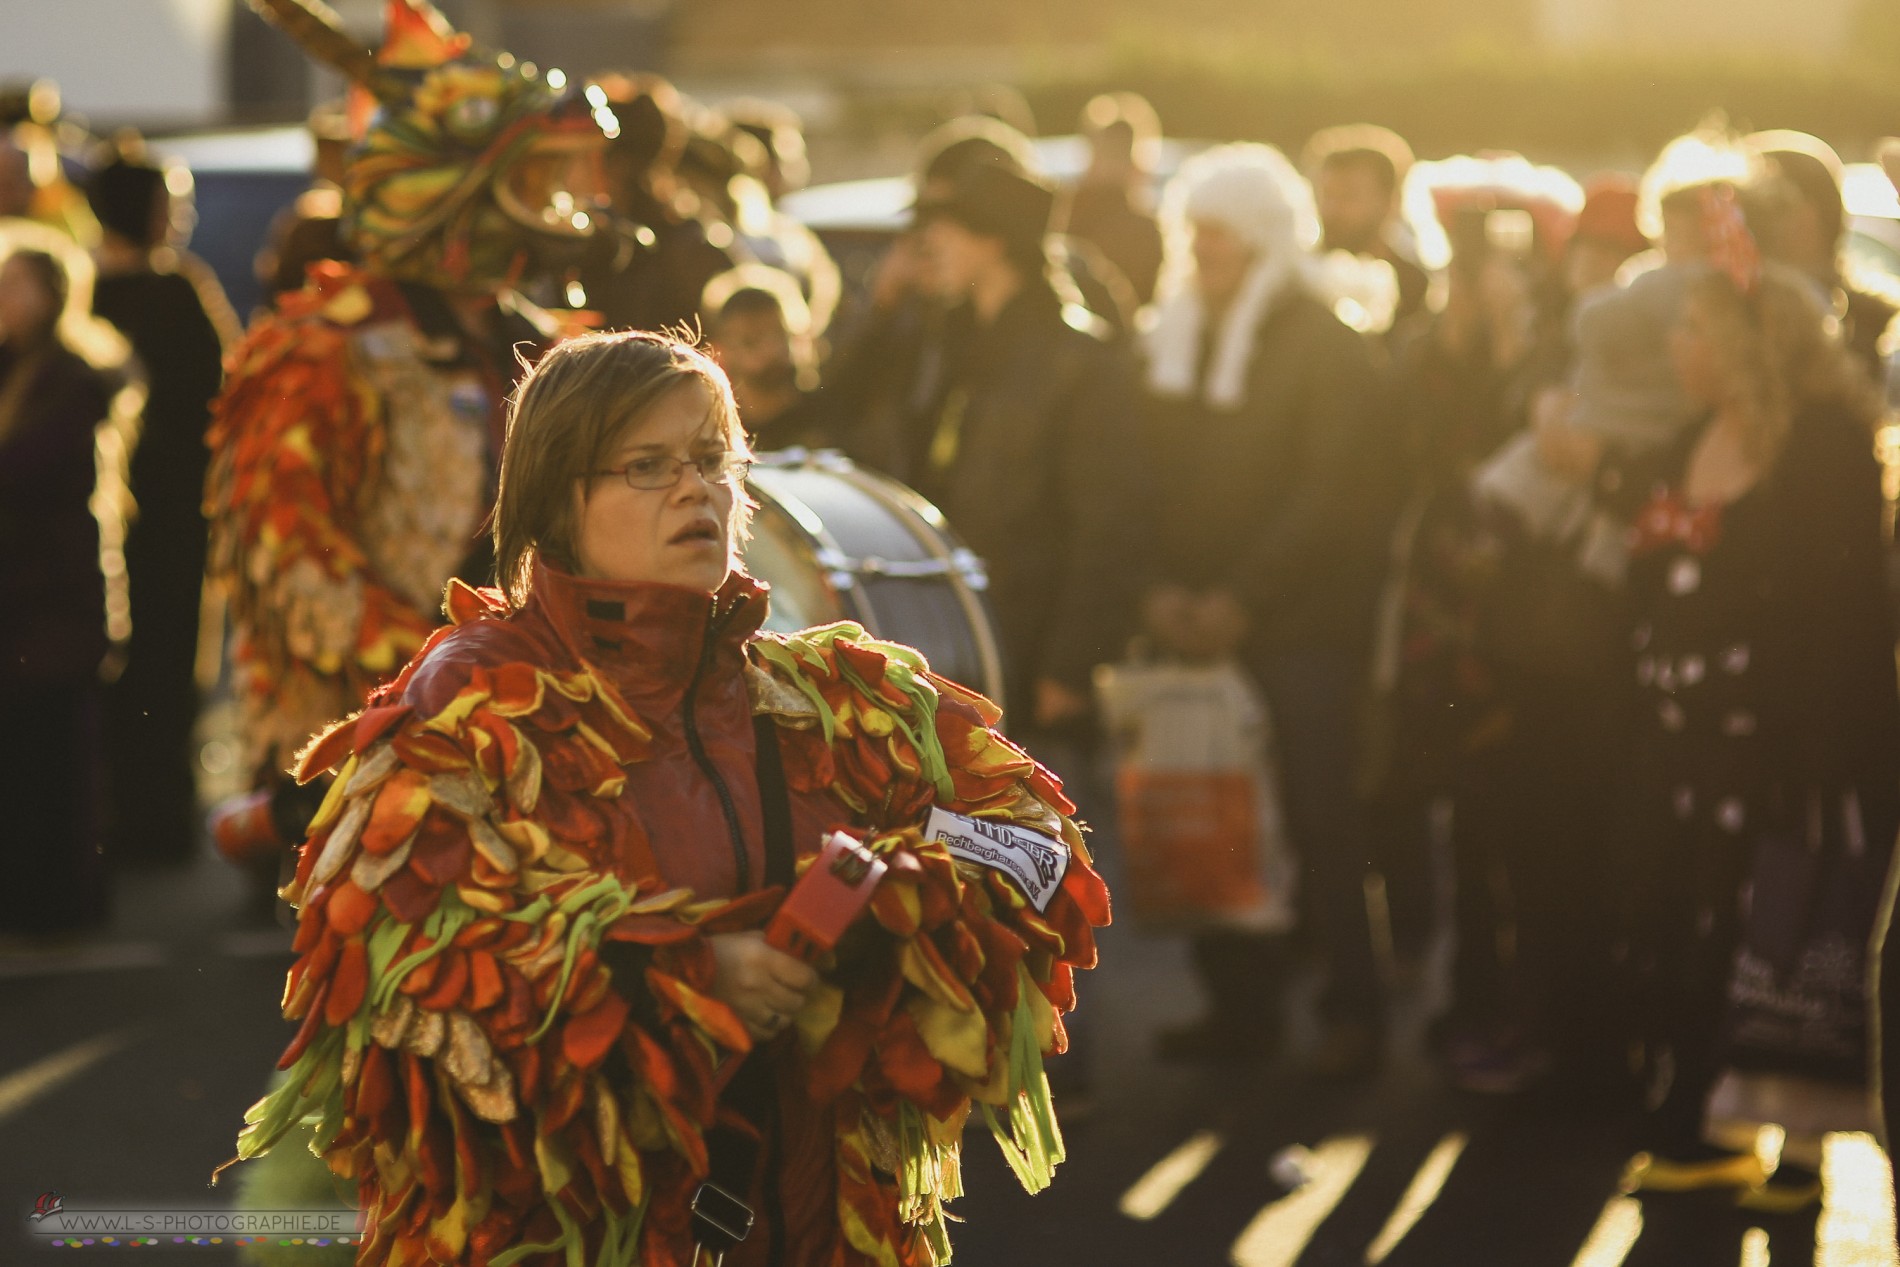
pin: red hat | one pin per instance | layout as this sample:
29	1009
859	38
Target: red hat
1609	214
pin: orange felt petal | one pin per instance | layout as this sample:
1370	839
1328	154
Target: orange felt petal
708	1013
348	909
586	1038
400	804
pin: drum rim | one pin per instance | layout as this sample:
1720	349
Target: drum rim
804	517
941	544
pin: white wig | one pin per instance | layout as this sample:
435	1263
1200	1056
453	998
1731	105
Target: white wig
1253	191
1258	196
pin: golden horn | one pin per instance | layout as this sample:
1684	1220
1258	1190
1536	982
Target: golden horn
434	17
316	27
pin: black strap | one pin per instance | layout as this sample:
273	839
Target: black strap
775	802
722	1214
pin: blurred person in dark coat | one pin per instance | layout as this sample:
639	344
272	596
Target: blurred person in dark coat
1272	503
55	393
1112	206
726	167
888	356
1358	171
1014	419
1514	729
659	284
163	307
759	329
1801	221
1885	993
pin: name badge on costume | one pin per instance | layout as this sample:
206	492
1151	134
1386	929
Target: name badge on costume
1035	862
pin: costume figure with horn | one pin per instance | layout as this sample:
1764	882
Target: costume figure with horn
355	443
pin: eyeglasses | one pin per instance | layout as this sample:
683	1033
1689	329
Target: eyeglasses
662	471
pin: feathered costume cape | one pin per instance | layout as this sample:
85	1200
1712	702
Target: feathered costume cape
302	438
349	480
467	1059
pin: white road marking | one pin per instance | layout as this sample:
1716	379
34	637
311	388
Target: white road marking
1419	1195
1857	1219
1279	1234
17	1090
1157	1189
1614	1235
112	958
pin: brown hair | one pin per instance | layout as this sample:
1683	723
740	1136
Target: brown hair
567	415
755	288
1380	151
1780	350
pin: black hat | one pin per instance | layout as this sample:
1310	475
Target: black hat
996	200
125	194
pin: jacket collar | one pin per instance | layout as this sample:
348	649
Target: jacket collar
646	638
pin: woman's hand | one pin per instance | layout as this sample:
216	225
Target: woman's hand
765	986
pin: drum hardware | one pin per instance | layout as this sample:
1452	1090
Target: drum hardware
842	568
838	541
832	460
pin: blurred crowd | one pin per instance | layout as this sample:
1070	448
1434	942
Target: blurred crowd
1559	555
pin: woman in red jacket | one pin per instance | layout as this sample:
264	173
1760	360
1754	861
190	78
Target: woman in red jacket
538	1008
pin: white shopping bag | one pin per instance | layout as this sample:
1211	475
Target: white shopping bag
1199	812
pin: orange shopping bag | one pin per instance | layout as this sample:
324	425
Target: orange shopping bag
1199	819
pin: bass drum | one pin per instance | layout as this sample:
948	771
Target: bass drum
839	542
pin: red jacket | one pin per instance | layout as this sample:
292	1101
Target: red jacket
504	969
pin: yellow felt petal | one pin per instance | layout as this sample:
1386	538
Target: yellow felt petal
820	1015
958	1039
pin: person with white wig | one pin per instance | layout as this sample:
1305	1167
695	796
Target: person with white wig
1272	511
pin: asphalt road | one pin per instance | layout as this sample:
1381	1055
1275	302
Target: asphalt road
126	1063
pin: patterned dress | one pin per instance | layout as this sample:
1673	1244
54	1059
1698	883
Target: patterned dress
1763	744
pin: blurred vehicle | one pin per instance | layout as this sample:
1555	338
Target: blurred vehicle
1873	219
856	219
244	178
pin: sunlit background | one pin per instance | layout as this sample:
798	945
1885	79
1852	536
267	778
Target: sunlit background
1574	81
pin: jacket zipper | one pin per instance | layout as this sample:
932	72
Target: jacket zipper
690	723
